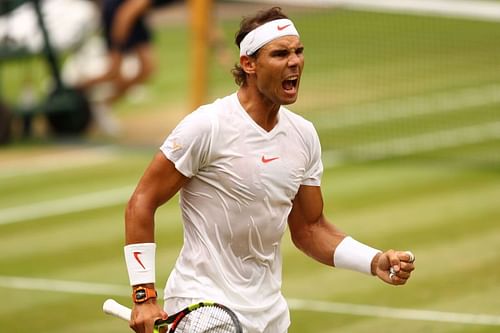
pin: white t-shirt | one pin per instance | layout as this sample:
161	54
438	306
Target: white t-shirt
235	207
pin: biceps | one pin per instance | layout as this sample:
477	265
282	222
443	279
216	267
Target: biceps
160	181
308	204
307	210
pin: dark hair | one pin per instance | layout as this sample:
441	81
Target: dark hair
247	25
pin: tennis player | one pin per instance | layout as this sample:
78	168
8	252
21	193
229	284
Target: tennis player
246	168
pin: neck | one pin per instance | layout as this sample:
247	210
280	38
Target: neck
262	110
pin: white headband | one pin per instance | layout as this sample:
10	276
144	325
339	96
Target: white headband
265	33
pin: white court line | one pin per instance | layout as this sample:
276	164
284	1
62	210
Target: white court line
66	205
405	146
56	161
396	313
412	106
74	287
377	150
331	158
432	141
57	164
109	290
379	111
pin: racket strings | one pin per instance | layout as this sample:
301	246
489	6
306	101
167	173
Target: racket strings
211	319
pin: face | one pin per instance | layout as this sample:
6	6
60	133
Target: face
278	68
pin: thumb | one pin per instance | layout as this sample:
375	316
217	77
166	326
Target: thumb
162	329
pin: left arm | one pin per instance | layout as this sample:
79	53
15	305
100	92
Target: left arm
310	230
312	233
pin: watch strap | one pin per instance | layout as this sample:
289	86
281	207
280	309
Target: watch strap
141	294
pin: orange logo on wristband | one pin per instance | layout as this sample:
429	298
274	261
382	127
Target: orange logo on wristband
136	256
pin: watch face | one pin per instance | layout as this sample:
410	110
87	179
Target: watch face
140	294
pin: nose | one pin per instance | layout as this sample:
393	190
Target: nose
294	59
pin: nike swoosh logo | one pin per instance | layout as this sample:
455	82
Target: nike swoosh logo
283	27
267	160
136	256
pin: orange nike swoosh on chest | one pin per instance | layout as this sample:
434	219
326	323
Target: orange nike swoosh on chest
267	160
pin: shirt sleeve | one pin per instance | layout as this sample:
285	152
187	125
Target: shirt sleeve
188	145
314	171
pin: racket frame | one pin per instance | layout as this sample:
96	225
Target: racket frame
114	308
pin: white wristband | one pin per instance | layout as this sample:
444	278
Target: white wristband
353	255
140	260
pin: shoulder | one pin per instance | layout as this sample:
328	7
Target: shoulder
203	117
208	118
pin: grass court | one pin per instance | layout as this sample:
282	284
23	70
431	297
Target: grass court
408	113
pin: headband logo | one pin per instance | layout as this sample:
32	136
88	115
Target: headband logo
283	27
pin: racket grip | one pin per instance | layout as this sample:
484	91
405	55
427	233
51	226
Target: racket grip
114	308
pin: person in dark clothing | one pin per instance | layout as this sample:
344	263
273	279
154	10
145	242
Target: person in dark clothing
126	32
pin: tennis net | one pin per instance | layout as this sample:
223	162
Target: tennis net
401	78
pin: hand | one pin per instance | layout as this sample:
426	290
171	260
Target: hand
144	316
394	267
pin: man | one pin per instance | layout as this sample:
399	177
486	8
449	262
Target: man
126	32
246	167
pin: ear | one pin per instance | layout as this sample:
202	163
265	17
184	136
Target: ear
247	64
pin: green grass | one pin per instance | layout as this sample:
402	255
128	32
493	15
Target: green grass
447	215
440	203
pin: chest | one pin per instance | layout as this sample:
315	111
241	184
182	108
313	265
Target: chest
270	167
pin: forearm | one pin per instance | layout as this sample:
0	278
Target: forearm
319	240
140	249
139	221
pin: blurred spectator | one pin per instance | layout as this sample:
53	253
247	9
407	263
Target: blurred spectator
126	32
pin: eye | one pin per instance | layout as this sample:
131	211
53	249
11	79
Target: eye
280	53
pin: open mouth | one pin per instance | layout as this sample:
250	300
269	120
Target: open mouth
290	84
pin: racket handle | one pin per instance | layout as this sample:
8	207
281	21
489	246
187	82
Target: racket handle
114	308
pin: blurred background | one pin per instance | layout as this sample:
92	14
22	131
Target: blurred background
405	96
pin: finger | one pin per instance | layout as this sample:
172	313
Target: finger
149	327
407	267
394	261
397	280
404	272
403	275
400	258
133	325
162	329
399	277
411	256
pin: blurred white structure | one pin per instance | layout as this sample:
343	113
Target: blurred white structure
68	23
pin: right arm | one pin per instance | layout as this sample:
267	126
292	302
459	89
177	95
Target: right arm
160	182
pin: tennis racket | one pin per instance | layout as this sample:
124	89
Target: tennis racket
202	317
